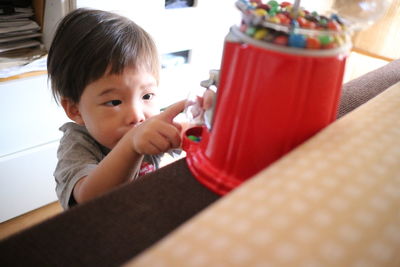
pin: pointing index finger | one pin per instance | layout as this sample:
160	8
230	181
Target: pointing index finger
172	111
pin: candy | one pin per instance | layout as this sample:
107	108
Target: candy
325	39
194	138
334	26
302	21
273	3
264	6
323	22
285	4
281	40
274	19
251	31
313	43
283	18
297	40
260	12
337	19
260	34
281	24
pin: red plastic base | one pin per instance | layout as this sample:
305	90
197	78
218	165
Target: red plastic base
205	172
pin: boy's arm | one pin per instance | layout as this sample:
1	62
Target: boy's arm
154	136
115	169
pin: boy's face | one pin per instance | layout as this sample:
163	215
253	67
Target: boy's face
113	104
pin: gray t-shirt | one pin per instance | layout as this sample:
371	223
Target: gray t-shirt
78	154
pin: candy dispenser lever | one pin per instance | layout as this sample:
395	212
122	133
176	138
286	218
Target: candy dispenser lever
212	80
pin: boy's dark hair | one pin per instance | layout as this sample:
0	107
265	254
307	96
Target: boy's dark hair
90	42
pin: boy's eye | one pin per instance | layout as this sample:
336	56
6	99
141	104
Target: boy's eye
113	103
148	96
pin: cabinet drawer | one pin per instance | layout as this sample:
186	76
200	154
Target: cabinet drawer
26	180
29	115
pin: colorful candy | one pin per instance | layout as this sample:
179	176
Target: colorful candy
194	138
281	24
297	40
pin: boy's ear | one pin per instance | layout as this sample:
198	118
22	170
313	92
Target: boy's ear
72	110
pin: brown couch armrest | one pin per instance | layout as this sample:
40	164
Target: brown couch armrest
362	89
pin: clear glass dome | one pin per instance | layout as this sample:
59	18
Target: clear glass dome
316	25
360	13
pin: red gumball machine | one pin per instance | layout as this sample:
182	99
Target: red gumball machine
279	84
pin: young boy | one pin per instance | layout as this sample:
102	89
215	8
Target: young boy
104	70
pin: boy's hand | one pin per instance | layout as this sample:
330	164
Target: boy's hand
159	133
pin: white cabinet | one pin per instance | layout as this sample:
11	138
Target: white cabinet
29	114
26	180
29	137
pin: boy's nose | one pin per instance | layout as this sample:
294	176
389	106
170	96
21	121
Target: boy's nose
135	116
